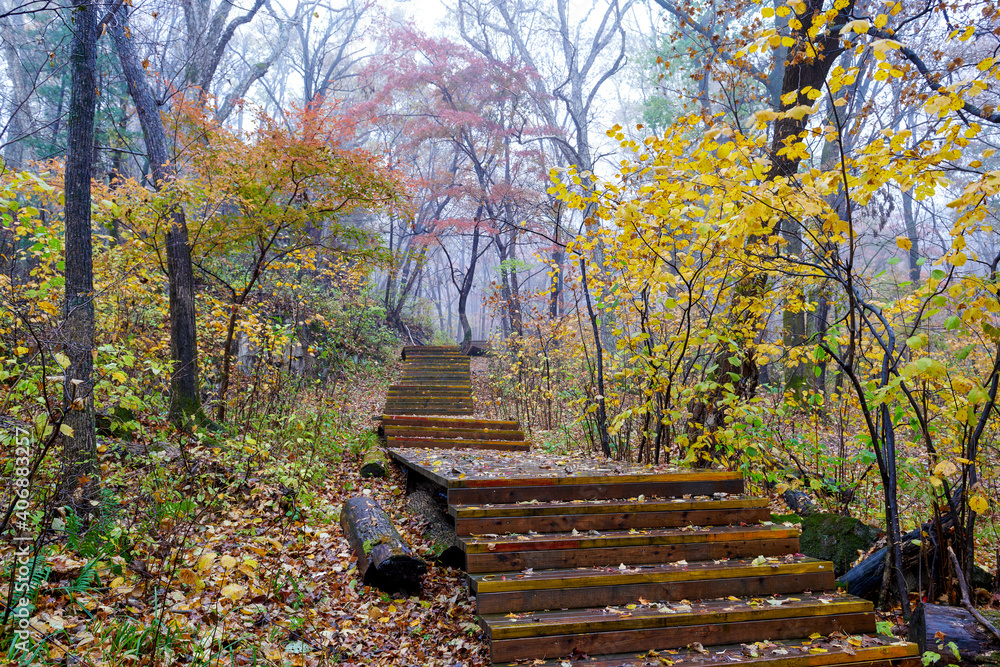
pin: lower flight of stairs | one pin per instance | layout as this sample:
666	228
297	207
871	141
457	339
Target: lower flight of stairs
652	569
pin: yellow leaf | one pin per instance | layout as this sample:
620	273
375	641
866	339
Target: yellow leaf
767	12
233	591
903	242
118	376
66	430
61	359
205	561
227	561
945	468
860	26
979	504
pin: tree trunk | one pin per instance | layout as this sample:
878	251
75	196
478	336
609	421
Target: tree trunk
911	234
17	153
463	295
601	413
185	398
385	561
79	447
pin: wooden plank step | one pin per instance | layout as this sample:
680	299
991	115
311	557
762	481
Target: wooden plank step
431	411
441	443
446	402
444	388
514	591
874	652
611	548
569	488
500	425
451	433
554	517
434	362
667	626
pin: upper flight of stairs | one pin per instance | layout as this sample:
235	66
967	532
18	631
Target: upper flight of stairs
432	406
435	381
610	565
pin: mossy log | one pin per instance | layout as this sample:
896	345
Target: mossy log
385	561
375	463
936	627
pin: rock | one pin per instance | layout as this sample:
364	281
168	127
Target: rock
836	538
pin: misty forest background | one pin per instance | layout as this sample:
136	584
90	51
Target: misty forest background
758	235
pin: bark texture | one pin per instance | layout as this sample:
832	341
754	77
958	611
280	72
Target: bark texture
385	561
78	484
185	399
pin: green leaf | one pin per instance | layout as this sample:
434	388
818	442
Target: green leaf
953	323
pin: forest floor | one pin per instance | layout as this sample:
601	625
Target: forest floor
255	572
212	555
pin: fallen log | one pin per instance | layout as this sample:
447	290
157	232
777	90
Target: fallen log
950	630
385	561
375	463
865	578
799	502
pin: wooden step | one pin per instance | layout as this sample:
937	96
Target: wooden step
596	488
446	402
638	626
514	591
426	362
430	411
443	389
451	433
874	652
442	443
496	424
607	515
611	548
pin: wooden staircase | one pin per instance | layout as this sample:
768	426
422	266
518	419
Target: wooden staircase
435	381
588	563
583	562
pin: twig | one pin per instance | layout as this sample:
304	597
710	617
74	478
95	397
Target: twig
966	602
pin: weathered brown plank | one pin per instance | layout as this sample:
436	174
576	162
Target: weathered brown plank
615	538
596	576
667	614
473	422
430	411
609	521
781	653
671	637
623	505
629	555
600	596
589	490
454	433
444	443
